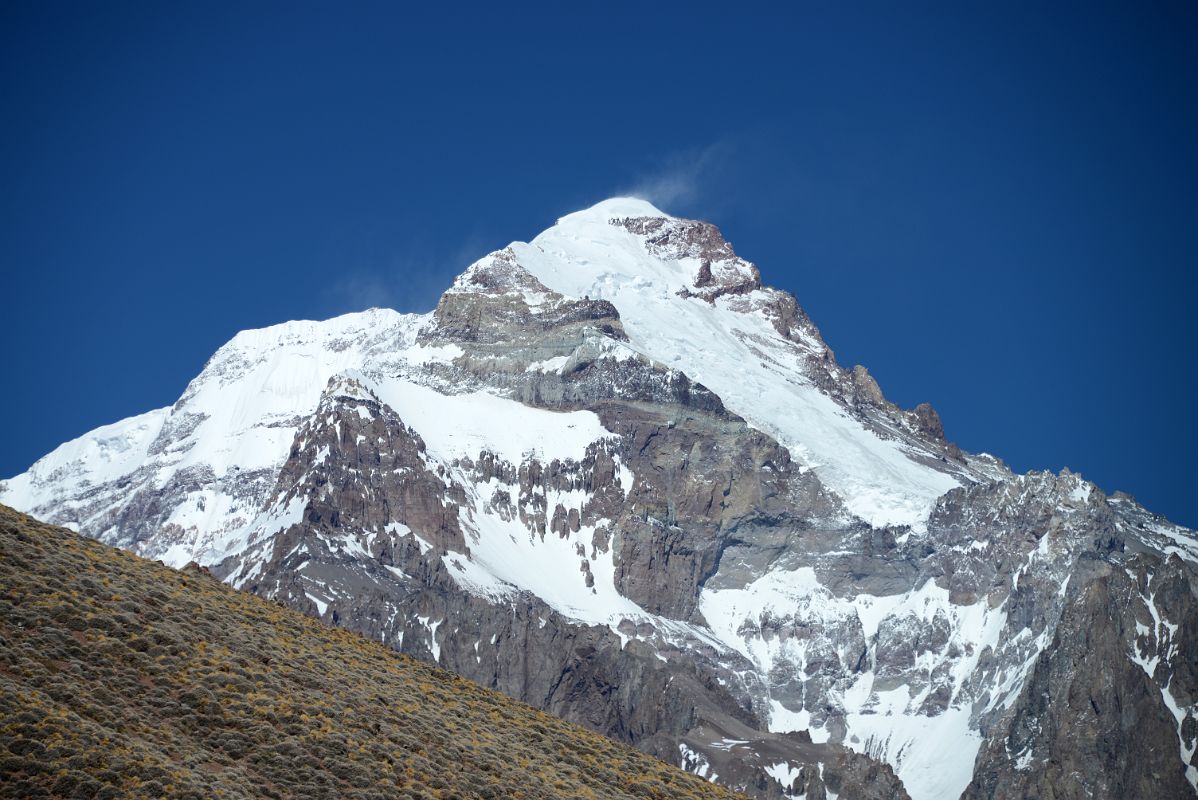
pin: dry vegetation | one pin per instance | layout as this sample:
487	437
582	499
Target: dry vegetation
122	678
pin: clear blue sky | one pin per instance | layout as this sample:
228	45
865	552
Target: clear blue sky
994	208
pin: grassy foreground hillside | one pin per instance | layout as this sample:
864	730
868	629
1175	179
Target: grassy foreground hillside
122	678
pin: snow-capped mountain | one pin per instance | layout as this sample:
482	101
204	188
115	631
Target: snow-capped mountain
615	476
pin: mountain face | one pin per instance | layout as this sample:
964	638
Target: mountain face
615	476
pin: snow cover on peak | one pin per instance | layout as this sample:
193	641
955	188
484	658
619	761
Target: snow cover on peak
732	348
216	451
615	208
304	330
97	457
280	373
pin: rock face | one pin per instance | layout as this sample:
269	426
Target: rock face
614	476
1088	724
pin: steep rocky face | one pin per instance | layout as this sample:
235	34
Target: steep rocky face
372	546
1093	719
613	475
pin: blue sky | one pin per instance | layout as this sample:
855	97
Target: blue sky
993	208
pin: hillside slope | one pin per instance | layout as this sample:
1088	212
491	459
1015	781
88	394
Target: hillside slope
120	677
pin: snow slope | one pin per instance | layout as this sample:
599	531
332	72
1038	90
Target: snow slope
106	454
739	356
215	451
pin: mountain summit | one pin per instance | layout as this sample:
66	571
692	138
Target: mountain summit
616	476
